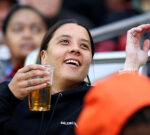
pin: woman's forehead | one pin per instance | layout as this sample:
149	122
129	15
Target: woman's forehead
72	29
26	14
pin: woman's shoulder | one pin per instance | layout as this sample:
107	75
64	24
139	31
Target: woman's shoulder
4	64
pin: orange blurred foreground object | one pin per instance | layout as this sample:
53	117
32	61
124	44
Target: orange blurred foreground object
113	100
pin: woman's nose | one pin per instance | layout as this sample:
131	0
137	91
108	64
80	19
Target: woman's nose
27	33
75	50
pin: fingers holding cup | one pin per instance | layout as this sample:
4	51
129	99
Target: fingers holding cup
39	99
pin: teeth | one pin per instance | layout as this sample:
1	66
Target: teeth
72	62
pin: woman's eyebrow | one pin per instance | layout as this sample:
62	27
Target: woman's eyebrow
68	36
85	40
20	23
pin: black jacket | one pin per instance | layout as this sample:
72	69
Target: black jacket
16	119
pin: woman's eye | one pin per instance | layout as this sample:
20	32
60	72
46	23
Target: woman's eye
36	29
84	46
17	29
64	41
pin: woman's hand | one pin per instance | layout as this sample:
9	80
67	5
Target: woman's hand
27	79
135	56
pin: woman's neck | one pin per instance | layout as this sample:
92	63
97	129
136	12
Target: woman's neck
59	86
16	62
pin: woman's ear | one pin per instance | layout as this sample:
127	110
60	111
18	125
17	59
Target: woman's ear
43	55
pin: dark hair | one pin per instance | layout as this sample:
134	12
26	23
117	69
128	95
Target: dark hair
48	36
17	8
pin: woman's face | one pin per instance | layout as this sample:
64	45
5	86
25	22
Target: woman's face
24	33
69	51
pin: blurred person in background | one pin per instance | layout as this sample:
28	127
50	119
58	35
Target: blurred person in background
116	10
23	28
54	11
5	6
